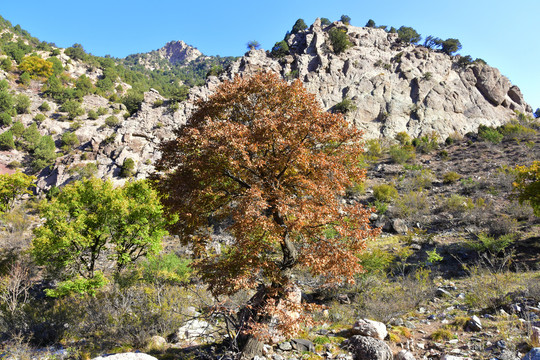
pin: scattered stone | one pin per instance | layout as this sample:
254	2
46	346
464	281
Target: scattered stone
302	345
371	328
474	324
369	348
404	355
507	355
126	356
441	292
191	330
285	346
451	357
399	226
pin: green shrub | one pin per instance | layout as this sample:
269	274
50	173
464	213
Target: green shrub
339	40
458	204
5	119
401	154
69	141
403	138
128	168
17	129
426	144
411	205
112	121
39	118
385	192
73	108
31	137
22	104
493	245
157	103
166	269
517	131
408	35
102	111
451	177
5	64
344	106
92	115
6	140
374	149
376	260
489	134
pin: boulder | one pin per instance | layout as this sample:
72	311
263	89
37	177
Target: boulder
404	355
474	324
126	356
302	345
366	327
191	330
368	348
534	354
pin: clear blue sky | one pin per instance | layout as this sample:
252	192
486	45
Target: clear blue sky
505	34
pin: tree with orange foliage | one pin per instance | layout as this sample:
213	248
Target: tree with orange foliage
261	156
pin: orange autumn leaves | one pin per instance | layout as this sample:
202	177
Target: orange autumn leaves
262	158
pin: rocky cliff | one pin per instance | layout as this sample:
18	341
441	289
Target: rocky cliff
393	86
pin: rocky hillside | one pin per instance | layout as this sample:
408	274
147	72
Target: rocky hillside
382	85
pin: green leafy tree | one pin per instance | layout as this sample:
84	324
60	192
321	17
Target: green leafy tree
325	21
14	187
36	67
339	40
17	129
345	19
432	42
44	153
132	101
253	45
370	23
76	52
280	49
527	185
56	65
5	64
262	156
90	226
299	25
84	85
450	46
31	136
408	35
6	102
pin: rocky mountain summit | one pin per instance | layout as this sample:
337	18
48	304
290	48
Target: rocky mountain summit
173	53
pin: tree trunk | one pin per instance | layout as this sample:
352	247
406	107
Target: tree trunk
252	347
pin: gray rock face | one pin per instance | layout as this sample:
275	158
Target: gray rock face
394	87
368	348
534	354
126	356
